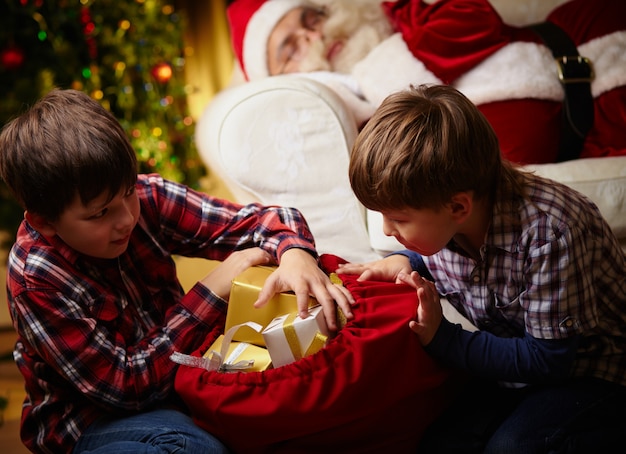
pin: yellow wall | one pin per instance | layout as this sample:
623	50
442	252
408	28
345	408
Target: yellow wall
209	56
209	65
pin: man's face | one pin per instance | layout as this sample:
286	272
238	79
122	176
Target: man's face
331	39
290	40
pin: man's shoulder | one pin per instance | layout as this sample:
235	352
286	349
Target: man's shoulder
37	262
560	201
159	189
556	212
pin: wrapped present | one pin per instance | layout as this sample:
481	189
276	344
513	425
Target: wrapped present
239	356
341	318
290	338
226	355
244	292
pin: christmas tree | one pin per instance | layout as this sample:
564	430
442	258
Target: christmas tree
128	55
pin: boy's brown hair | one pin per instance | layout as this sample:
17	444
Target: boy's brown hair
422	146
65	145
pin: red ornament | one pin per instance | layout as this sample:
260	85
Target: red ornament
12	57
162	72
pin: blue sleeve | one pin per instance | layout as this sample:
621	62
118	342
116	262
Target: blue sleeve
522	360
417	263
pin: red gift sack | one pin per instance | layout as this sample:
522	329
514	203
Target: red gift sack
372	388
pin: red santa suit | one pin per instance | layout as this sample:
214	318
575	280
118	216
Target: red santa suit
507	71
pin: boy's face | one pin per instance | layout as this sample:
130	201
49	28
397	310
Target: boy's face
425	231
101	228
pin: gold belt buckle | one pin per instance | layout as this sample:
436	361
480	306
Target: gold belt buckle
574	69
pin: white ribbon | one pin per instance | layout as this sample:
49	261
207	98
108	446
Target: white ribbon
214	361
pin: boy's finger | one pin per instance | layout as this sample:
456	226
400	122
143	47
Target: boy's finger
268	290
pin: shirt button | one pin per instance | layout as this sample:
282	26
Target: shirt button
476	279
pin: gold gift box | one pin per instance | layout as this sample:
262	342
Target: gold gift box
244	292
241	352
290	338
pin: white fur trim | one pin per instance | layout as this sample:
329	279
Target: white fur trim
527	70
258	32
390	67
608	56
518	70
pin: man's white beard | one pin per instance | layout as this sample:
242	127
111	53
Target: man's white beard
360	24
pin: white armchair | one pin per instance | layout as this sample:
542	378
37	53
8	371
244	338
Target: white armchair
286	140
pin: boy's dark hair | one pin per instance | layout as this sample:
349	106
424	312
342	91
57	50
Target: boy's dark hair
65	145
422	146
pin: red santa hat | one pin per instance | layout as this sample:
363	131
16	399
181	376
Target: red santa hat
251	23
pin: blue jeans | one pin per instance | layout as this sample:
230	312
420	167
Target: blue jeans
579	416
159	431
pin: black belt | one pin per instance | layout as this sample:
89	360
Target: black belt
575	74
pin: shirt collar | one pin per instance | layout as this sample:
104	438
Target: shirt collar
55	242
506	222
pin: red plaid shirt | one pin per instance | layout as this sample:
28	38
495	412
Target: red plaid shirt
95	335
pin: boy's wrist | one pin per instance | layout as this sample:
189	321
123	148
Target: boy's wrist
438	343
296	251
201	299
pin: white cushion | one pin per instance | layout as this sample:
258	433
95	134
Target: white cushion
285	140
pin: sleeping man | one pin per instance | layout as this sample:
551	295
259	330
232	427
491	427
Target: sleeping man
367	49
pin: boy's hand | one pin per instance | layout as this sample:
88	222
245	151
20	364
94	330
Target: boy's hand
429	312
219	280
387	269
299	272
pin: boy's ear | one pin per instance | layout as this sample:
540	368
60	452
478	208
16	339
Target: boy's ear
461	205
40	223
